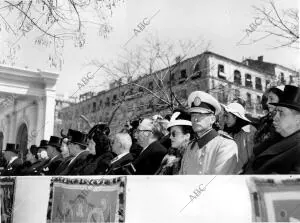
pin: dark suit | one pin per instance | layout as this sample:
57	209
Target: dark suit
14	168
116	167
74	166
280	158
148	162
50	167
63	165
99	165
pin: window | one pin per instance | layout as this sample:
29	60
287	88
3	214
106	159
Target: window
94	107
248	82
100	103
258	99
150	86
196	75
221	72
258	85
237	77
258	103
107	103
291	80
249	100
183	74
267	83
172	76
196	68
282	80
114	99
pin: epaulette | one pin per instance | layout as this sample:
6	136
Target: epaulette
224	134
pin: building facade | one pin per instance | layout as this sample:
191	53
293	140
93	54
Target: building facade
26	106
224	78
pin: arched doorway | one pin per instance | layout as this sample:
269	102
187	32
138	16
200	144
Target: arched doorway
22	138
1	142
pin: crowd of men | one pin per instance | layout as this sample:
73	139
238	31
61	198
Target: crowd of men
205	138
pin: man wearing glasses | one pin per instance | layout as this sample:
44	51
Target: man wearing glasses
209	153
147	135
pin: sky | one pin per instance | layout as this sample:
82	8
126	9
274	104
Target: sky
220	22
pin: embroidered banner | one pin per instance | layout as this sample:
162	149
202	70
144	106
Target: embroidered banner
87	200
7	192
275	200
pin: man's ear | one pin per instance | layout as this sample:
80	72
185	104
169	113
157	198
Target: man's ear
213	119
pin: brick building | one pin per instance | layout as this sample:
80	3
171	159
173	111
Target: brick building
220	76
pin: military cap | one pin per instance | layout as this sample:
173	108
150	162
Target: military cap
202	102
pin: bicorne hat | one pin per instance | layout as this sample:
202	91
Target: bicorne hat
290	98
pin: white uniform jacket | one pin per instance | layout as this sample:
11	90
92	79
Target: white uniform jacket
211	154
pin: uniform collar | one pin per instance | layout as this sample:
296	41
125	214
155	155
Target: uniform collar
206	138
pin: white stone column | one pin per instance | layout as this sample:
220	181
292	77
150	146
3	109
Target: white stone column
38	132
49	115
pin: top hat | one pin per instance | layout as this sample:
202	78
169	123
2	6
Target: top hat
10	147
55	142
43	144
290	98
77	137
33	149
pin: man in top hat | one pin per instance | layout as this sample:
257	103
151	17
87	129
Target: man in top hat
209	152
55	156
14	164
77	146
42	157
31	160
42	150
283	156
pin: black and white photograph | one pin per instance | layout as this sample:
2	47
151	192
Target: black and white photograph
167	89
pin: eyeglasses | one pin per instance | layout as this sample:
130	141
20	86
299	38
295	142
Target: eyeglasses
141	130
174	133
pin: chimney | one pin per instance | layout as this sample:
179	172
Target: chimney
260	58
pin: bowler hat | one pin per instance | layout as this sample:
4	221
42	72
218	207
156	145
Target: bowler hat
43	144
10	147
77	137
290	98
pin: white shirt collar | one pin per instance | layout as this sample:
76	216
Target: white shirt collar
12	160
119	157
77	156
